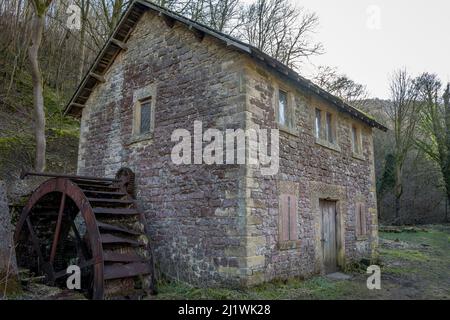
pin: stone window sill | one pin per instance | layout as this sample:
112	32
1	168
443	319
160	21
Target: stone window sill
362	238
289	245
358	156
288	130
140	138
328	145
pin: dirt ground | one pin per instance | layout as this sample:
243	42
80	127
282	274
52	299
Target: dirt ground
415	264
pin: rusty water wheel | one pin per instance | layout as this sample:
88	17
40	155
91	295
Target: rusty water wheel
92	223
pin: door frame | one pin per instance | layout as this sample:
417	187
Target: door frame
330	203
320	191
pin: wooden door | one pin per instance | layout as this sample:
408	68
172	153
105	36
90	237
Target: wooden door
329	239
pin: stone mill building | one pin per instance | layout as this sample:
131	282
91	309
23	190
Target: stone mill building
221	224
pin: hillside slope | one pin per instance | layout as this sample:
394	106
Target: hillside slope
17	146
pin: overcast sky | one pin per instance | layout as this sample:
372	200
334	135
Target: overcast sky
414	34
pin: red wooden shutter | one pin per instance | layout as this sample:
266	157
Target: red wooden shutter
358	219
284	218
293	234
288	217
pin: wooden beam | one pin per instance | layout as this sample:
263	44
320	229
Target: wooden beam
170	22
200	35
98	77
120	44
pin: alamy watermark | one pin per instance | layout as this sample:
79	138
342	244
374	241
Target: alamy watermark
374	280
74	20
74	280
234	146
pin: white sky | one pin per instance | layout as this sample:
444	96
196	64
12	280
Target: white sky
414	34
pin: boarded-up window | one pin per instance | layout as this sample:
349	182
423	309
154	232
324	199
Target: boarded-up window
361	216
146	116
288	218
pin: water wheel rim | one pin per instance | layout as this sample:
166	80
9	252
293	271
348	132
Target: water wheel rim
74	192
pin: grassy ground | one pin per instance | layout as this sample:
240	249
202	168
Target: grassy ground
415	265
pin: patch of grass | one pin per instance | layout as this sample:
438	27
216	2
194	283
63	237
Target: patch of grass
421	270
319	288
178	290
399	271
402	254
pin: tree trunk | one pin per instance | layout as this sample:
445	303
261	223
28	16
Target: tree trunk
38	99
82	55
85	7
447	201
398	192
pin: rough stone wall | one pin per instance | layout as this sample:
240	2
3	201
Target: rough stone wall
193	211
313	172
8	264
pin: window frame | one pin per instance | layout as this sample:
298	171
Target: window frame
290	125
142	96
318	126
149	101
357	148
286	109
330	128
326	130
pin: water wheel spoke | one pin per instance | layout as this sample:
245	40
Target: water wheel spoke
58	228
81	246
34	240
46	267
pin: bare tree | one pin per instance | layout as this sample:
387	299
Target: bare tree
403	113
38	23
280	30
340	85
85	6
223	15
113	11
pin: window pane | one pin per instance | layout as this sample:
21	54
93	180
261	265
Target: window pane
146	109
318	122
329	130
282	107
